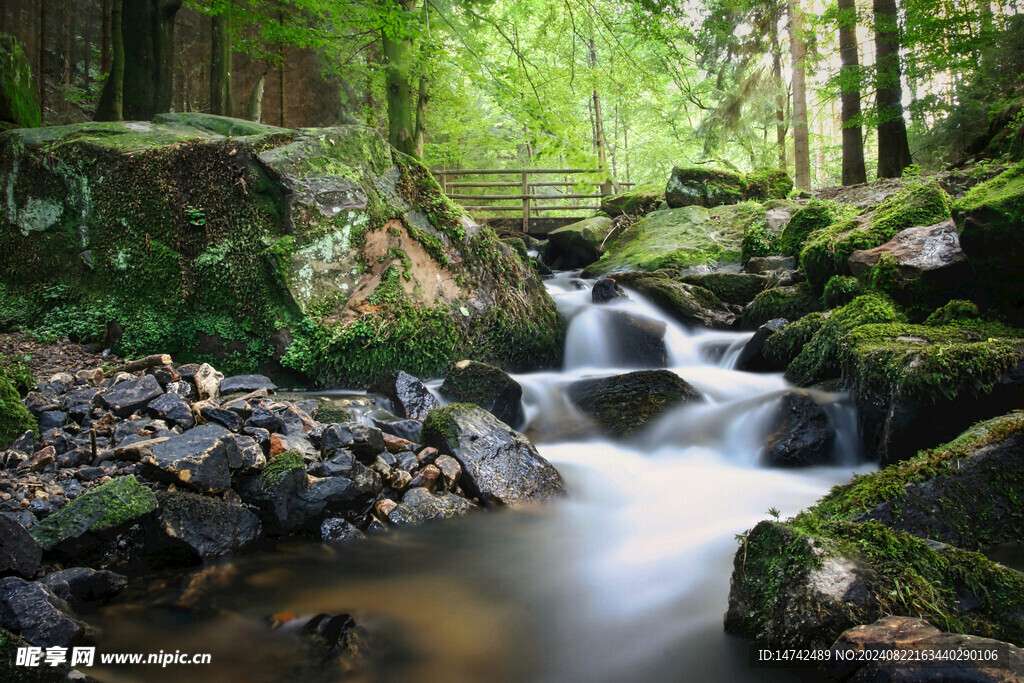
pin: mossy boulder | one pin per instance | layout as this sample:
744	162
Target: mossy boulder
818	214
15	419
704	186
578	244
102	510
689	304
768	183
323	251
732	288
686	238
19	107
631	203
883	544
991	223
486	386
827	250
791	302
622	404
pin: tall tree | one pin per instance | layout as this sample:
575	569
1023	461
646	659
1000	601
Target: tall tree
220	61
801	132
148	37
111	105
849	77
398	43
893	146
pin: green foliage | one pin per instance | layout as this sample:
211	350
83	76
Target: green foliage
785	345
758	240
884	276
841	290
791	303
768	183
15	419
818	214
18	101
957	310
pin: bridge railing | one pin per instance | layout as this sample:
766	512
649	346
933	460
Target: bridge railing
528	201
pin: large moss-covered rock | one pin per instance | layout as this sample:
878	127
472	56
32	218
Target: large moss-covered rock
991	222
768	183
19	107
579	244
622	404
689	304
827	250
703	186
818	214
682	238
882	544
323	249
791	302
15	419
105	508
631	203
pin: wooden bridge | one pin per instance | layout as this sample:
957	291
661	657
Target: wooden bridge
560	196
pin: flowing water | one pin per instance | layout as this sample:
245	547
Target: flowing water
625	579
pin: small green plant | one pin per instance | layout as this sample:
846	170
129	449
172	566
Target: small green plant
841	290
196	217
774	512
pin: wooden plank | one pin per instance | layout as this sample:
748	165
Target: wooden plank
499	197
516	184
526	202
511	171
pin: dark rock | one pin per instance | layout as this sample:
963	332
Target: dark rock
624	403
420	505
264	418
80	402
296	421
450	470
102	510
578	244
488	387
731	288
964	657
225	418
31	610
364	441
198	458
135	448
403	429
689	304
20	554
51	419
209	526
752	358
89	473
37	403
40	460
606	289
132	395
703	186
172	407
165	374
25	444
246	383
339	530
281	494
635	340
499	465
764	264
802	435
244	453
85	588
409	397
182	388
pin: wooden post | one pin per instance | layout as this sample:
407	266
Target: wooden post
526	203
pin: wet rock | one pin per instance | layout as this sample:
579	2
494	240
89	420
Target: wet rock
606	289
215	414
131	395
396	427
246	383
364	441
207	381
801	436
635	340
499	465
731	288
84	588
40	460
409	397
752	358
20	554
173	408
280	443
622	404
450	470
578	244
101	510
420	505
488	387
198	459
134	450
339	530
687	303
965	656
25	444
210	526
427	478
764	264
244	453
264	418
702	186
31	610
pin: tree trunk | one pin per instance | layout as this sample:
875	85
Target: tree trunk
111	105
149	56
599	139
220	63
282	100
398	68
893	148
105	48
780	100
801	134
255	112
42	60
853	140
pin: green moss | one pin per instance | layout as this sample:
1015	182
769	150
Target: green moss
957	310
792	303
768	183
841	290
15	419
106	507
758	240
18	102
278	468
818	214
328	412
827	250
439	425
631	203
704	186
824	355
734	288
785	345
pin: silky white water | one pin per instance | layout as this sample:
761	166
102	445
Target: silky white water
625	579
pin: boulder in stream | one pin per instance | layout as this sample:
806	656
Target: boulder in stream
622	404
488	387
801	433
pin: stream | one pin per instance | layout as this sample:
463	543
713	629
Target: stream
627	578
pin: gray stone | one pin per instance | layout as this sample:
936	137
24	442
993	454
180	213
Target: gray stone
420	505
172	407
802	435
339	530
605	290
364	441
198	458
82	587
20	554
31	610
131	395
210	526
409	397
246	383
